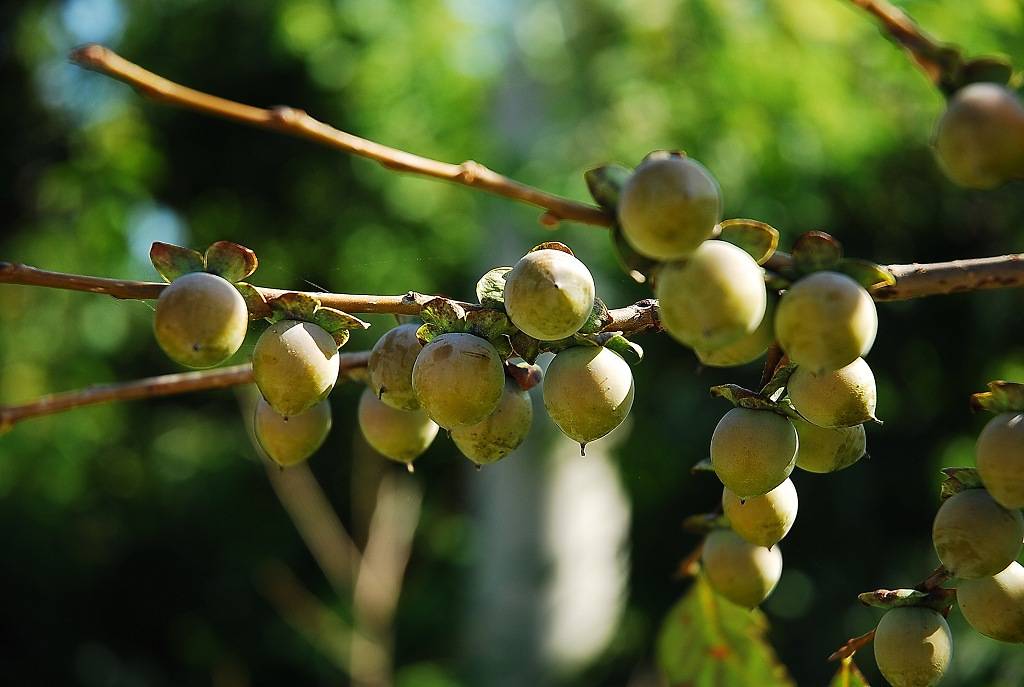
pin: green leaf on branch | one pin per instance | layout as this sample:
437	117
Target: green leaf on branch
866	273
230	261
778	381
254	300
337	323
488	324
938	599
490	290
708	641
173	261
428	332
605	184
630	351
552	245
293	306
446	315
1001	397
815	251
848	675
598	319
756	238
956	480
638	267
741	397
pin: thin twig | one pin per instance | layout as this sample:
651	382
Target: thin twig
933	58
297	123
851	646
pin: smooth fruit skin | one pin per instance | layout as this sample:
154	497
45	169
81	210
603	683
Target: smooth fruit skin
401	435
994	606
825	321
979	140
201	320
588	391
289	440
1000	458
753	451
458	379
840	398
762	520
295	365
390	367
501	432
712	299
549	294
974	536
913	646
742	572
748	348
824	449
668	207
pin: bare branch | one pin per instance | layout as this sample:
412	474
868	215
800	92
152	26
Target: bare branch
851	646
933	58
958	276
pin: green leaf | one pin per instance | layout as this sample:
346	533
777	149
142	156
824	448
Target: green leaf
488	324
598	320
1001	397
638	267
428	332
337	323
173	261
490	290
741	397
956	480
605	184
988	69
779	380
848	675
708	641
630	351
254	300
757	238
702	523
816	251
293	306
230	261
552	245
937	599
866	273
447	315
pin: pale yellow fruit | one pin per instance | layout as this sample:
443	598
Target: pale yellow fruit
201	320
295	365
1000	458
668	206
499	433
841	398
980	138
994	606
974	536
549	294
401	435
390	367
588	391
742	572
458	379
824	449
748	348
825	321
753	451
913	646
712	299
762	520
291	439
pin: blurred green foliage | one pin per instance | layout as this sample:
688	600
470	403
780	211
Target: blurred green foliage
133	531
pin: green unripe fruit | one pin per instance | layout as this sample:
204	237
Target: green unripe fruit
549	294
712	299
913	646
295	365
200	320
762	520
748	348
980	138
994	606
753	451
291	439
825	321
390	367
458	379
668	206
499	433
401	435
974	536
588	391
742	572
841	398
1000	458
825	449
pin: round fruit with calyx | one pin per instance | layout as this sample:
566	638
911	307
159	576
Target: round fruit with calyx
1000	457
549	294
748	348
668	206
828	449
501	432
390	367
291	439
994	606
201	320
913	646
753	451
712	299
840	398
742	572
762	520
980	139
976	537
401	435
588	391
458	379
295	365
825	321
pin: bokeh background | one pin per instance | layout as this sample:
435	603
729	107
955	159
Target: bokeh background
143	543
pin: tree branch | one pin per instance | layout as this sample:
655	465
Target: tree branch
933	58
297	123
